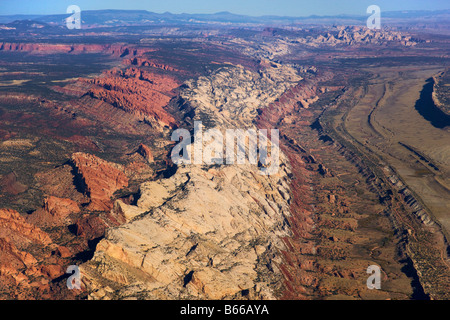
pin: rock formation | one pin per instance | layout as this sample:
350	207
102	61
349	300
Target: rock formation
145	151
354	35
99	179
207	231
113	49
16	228
54	212
141	227
139	92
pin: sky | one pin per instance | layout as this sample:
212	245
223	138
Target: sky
248	7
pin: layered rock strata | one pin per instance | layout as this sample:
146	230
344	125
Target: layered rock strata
136	91
208	231
99	179
45	48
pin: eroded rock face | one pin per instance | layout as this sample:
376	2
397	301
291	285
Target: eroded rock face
354	35
54	212
15	227
136	91
237	91
197	221
100	179
13	263
18	267
29	259
144	62
145	152
113	49
207	231
59	182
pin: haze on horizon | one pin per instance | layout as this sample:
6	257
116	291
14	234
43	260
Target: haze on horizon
246	7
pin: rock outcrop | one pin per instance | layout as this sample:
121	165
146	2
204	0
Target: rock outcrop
441	91
112	49
144	62
99	179
15	268
28	264
15	227
354	35
139	92
145	151
208	231
54	212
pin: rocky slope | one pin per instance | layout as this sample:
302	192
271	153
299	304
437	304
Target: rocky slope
207	231
141	227
22	245
140	92
46	48
441	91
98	179
354	35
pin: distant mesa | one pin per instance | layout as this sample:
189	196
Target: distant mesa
118	50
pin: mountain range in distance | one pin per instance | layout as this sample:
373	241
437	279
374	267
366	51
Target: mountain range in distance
95	18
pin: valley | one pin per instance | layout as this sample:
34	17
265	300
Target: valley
87	178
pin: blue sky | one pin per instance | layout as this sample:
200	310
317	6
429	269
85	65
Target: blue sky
248	7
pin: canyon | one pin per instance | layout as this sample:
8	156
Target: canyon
86	176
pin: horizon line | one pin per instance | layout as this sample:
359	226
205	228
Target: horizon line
219	12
